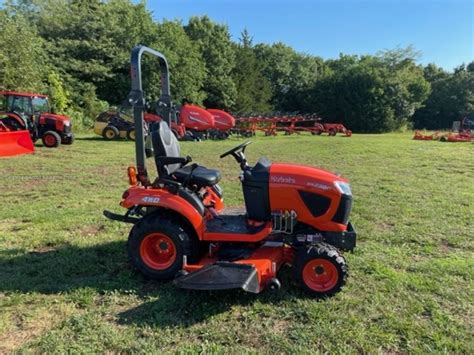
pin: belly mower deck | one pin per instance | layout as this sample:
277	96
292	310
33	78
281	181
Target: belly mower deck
251	270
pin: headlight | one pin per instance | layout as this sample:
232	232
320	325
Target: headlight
343	187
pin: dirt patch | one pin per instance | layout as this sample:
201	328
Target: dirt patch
25	330
43	250
386	227
91	230
446	246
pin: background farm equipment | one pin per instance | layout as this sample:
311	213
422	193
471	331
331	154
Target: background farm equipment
223	124
462	131
118	123
32	113
271	124
15	138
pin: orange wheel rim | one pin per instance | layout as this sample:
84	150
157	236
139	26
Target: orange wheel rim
158	251
320	275
49	140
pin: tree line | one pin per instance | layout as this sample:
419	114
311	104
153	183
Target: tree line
78	52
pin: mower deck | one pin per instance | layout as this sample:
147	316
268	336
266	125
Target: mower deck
222	275
232	268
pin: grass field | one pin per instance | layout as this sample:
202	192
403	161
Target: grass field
66	285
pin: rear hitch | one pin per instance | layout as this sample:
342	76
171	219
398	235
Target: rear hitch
121	218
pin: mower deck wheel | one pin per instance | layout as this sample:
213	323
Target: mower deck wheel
157	244
51	139
320	269
110	133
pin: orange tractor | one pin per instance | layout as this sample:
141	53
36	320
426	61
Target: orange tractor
27	117
294	215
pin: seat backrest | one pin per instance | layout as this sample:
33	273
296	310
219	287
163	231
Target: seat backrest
165	144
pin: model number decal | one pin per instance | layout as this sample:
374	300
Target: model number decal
150	199
318	185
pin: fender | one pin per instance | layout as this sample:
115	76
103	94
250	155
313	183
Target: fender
140	196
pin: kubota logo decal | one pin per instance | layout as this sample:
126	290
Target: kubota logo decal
283	180
150	199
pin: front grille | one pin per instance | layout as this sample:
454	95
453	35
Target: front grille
343	210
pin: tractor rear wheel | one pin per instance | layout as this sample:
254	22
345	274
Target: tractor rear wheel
51	139
110	133
157	245
131	134
320	269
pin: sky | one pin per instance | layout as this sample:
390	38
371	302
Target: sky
442	30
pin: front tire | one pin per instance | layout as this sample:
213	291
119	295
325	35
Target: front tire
320	269
51	139
157	245
110	133
68	140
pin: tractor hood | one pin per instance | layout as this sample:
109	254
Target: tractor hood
53	116
302	175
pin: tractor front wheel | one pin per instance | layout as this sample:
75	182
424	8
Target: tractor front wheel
68	140
157	245
51	139
110	133
320	269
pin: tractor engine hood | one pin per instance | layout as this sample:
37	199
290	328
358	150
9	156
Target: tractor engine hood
52	116
306	176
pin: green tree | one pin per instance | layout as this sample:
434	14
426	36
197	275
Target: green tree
58	94
218	53
22	57
452	97
253	88
370	93
188	70
290	74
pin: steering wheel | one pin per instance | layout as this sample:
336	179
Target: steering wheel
236	149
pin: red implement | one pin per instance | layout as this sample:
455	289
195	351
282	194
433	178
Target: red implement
15	143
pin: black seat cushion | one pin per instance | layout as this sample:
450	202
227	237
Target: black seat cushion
201	176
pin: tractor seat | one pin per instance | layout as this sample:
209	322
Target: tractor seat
200	177
165	144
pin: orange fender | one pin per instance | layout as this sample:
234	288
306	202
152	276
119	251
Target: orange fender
140	196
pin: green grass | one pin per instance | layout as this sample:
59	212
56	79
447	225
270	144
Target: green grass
66	285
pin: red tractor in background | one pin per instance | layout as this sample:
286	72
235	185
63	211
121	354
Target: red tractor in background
32	112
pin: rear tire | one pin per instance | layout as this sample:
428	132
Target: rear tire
131	134
156	246
110	133
51	139
320	269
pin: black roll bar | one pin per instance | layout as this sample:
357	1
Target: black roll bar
136	99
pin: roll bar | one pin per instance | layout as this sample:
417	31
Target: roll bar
136	99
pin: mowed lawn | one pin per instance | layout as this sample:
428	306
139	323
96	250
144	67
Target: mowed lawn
66	285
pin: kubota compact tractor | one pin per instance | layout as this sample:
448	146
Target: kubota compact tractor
27	111
294	215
